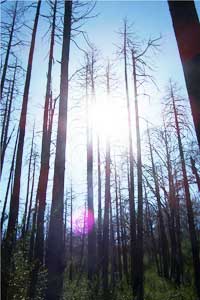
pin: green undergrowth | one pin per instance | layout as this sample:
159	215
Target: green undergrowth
156	288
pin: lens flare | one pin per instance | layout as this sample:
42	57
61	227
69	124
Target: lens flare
82	222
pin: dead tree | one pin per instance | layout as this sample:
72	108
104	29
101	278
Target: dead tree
118	225
71	236
138	287
163	237
9	46
6	122
187	31
90	194
14	203
9	183
106	205
46	144
54	254
131	162
190	213
195	172
28	185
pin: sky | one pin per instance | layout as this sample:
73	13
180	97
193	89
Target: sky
150	19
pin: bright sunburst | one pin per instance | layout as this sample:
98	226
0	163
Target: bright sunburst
109	120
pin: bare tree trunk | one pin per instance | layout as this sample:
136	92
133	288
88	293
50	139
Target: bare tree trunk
7	121
90	193
195	172
112	250
150	225
71	239
178	237
106	209
54	256
9	182
45	151
4	120
163	237
14	203
28	187
65	226
32	238
138	287
118	226
5	67
187	31
31	196
190	214
99	210
131	165
123	238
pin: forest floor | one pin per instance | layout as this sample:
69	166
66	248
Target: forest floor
156	288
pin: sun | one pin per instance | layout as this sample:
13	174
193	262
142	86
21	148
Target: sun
109	120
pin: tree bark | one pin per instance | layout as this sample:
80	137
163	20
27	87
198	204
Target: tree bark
131	164
5	67
28	187
190	213
9	183
54	255
163	237
187	31
118	226
138	287
45	151
106	207
14	203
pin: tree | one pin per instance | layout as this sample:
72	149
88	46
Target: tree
187	31
90	193
6	122
190	213
5	67
131	163
14	203
54	255
138	287
9	183
45	157
106	205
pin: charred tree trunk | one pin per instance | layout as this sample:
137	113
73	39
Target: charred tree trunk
106	209
190	213
7	121
4	121
45	151
90	193
195	172
71	238
31	196
9	183
163	237
5	67
118	226
138	288
54	255
99	209
123	237
187	31
153	240
28	187
131	164
14	203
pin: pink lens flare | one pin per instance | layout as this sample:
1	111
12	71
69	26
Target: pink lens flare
82	222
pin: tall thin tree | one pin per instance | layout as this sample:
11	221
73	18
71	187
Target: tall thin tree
54	254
